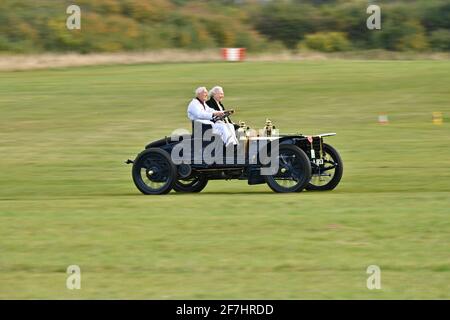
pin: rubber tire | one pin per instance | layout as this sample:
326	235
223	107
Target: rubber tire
337	174
137	176
305	164
199	186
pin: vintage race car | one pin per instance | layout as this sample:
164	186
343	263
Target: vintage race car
287	163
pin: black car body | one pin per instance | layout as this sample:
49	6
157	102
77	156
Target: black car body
302	162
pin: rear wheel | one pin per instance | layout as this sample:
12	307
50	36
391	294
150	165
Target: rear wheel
154	172
193	184
327	175
294	170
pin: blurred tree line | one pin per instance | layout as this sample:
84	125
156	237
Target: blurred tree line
324	25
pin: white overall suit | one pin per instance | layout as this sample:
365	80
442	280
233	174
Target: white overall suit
199	111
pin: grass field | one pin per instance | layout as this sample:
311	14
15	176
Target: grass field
67	198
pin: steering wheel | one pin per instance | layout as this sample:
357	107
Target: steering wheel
226	113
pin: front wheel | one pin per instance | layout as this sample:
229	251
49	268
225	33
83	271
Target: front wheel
154	172
294	170
326	176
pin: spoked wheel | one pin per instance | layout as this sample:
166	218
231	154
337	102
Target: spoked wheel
193	184
154	172
326	176
294	170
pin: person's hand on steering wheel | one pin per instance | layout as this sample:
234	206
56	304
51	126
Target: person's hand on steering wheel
218	114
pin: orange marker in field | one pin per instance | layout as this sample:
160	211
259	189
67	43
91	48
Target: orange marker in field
233	54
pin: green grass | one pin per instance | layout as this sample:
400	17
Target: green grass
67	198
